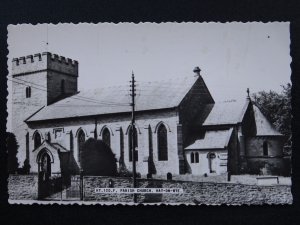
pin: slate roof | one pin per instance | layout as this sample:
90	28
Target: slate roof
263	125
150	96
218	139
231	112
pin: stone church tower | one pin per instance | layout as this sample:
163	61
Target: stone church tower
38	80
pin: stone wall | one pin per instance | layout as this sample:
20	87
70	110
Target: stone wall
254	145
92	182
269	166
23	187
273	163
194	192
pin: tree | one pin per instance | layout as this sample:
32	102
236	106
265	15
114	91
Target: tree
26	167
276	107
97	159
12	150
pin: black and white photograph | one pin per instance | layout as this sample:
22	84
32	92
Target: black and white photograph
149	113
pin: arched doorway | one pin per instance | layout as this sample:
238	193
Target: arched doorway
45	166
211	162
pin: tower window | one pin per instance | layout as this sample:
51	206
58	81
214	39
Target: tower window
106	136
130	144
265	148
162	139
62	86
28	92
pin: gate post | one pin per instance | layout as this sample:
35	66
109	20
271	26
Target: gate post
81	185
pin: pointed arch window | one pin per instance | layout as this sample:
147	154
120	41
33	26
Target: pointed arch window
71	142
265	148
150	143
121	146
37	140
192	157
162	139
80	143
62	86
27	146
106	136
28	92
130	144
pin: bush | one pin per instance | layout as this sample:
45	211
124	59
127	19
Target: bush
26	167
124	172
12	150
97	159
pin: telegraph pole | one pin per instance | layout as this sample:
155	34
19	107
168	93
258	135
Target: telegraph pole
133	135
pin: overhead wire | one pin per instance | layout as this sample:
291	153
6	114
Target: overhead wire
75	97
105	103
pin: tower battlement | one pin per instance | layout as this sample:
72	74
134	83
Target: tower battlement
43	61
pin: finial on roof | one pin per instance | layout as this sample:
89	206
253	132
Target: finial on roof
197	71
248	93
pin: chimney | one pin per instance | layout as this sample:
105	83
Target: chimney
197	71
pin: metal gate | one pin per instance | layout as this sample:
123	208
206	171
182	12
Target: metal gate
49	188
74	191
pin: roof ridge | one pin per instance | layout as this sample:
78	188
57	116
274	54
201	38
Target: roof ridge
115	99
159	82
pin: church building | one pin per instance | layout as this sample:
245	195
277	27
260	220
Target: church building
180	129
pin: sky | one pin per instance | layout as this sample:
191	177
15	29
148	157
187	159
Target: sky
232	56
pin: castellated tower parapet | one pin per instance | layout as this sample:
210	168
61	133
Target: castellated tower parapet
43	61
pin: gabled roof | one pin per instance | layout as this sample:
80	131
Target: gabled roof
224	113
55	146
150	96
263	126
218	139
233	112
